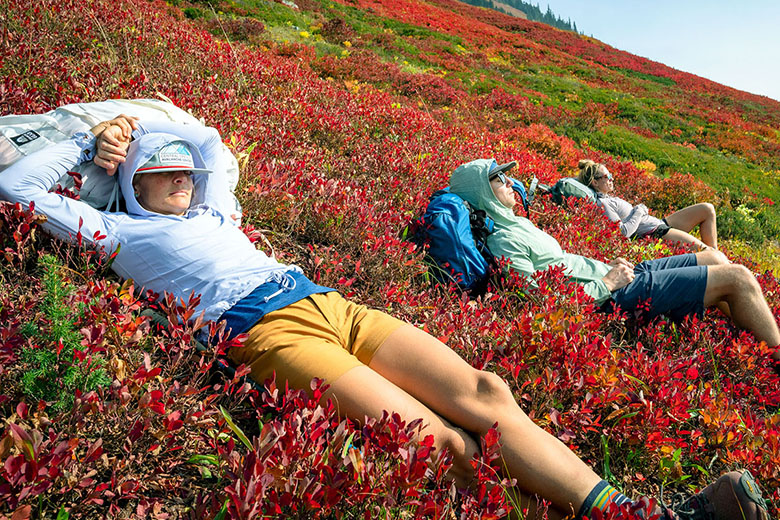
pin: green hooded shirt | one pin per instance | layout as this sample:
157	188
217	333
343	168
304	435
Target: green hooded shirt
528	248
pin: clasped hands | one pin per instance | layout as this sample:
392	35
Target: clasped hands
113	140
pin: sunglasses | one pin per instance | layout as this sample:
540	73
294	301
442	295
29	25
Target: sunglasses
608	176
500	176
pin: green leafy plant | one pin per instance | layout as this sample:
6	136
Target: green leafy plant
57	365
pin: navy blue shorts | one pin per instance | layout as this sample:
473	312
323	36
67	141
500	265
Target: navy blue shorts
673	286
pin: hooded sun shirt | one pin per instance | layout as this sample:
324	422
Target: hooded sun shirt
528	248
202	252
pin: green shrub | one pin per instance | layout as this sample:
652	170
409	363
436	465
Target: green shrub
193	13
749	223
415	31
646	113
53	373
649	77
741	224
275	14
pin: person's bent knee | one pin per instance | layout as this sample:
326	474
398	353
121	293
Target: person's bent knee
488	400
743	279
743	272
711	257
709	208
462	447
492	389
718	257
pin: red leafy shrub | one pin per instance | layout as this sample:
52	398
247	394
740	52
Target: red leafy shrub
561	151
236	28
430	88
37	465
336	30
307	459
680	190
489	500
17	229
519	107
592	117
11	340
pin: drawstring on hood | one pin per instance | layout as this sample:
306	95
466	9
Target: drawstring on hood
113	199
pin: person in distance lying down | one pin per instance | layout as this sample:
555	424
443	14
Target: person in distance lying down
635	220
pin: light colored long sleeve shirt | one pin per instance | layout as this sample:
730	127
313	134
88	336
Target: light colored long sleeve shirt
634	220
201	252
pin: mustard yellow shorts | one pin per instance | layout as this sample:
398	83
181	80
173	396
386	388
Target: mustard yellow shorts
321	336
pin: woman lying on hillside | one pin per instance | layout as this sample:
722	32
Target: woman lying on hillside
635	220
178	236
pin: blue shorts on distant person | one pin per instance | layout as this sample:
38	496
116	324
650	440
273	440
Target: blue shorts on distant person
673	286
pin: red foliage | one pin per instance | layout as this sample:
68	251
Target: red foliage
18	226
335	173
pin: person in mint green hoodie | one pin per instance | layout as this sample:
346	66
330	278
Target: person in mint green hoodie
676	286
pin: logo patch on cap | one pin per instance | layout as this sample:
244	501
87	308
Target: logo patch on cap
174	156
175	153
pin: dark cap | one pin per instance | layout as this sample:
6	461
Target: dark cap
501	168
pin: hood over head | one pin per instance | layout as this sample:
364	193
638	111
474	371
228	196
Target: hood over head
174	154
471	182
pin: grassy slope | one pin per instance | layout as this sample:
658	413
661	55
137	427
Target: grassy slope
340	146
605	99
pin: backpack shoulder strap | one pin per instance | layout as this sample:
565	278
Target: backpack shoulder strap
481	225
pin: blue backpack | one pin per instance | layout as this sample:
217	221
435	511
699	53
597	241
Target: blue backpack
456	236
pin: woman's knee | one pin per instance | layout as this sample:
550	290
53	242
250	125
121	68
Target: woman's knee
495	397
462	447
709	210
702	210
492	390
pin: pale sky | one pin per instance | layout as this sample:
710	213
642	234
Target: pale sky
731	42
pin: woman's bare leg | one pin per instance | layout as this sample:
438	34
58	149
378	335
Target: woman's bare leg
679	236
474	400
702	215
362	392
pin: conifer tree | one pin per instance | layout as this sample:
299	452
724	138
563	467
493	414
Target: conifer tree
532	12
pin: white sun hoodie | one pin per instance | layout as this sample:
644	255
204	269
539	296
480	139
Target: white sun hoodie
201	252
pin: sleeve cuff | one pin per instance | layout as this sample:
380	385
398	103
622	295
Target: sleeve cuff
86	143
138	132
602	293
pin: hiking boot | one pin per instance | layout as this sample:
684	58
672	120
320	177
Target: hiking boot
734	496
